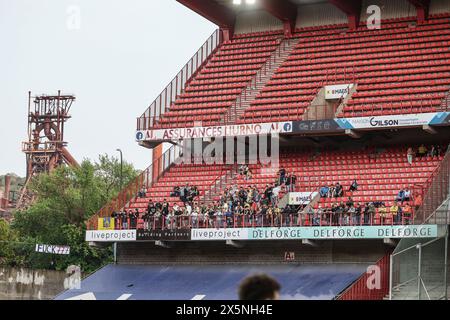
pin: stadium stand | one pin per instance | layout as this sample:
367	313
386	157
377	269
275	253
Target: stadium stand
402	68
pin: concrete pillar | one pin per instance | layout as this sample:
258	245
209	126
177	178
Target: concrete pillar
7	186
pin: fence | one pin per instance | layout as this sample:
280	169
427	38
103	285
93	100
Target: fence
418	269
437	192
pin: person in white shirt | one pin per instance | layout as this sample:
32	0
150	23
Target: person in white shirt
275	192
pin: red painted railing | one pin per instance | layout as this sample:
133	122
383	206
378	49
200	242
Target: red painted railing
360	290
145	179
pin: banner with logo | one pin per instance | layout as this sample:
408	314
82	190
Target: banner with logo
214	131
337	91
301	198
110	235
105	223
401	120
317	233
164	235
46	248
220	234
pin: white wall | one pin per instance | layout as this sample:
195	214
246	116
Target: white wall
256	21
319	14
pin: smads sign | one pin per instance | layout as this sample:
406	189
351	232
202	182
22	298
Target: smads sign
337	91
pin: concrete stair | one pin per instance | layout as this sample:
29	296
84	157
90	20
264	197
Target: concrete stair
260	80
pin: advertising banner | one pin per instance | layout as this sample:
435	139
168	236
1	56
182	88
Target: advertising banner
105	224
301	198
220	234
214	131
337	91
164	235
46	248
401	120
317	233
110	235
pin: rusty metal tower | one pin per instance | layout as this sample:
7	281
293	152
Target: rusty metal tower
46	148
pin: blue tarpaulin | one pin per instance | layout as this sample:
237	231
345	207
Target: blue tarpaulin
211	282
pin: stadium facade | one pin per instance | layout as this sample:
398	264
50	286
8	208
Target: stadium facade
341	91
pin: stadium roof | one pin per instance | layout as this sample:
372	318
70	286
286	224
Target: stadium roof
223	12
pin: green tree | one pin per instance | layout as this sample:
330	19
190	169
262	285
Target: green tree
66	198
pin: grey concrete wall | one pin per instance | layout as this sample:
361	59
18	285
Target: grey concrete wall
252	252
26	284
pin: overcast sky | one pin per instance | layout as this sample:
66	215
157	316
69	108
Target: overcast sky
116	63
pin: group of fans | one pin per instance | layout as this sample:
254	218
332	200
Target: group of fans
243	206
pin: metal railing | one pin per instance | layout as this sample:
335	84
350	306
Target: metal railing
152	120
163	102
221	182
225	221
360	290
145	179
437	190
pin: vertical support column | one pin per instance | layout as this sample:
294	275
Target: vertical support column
419	271
446	264
156	152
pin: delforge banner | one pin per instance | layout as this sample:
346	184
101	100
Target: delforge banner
317	233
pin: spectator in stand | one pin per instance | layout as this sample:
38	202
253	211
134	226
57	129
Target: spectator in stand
175	192
124	218
407	213
417	201
382	211
318	216
371	212
338	191
357	214
146	219
400	195
422	151
331	191
243	169
170	218
434	152
353	186
183	192
349	202
282	176
165	208
293	182
248	175
366	213
275	193
288	182
410	155
116	216
394	213
324	191
406	195
351	214
142	192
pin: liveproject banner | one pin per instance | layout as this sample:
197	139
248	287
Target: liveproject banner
110	235
316	233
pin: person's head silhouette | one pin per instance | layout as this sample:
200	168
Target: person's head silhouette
259	287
